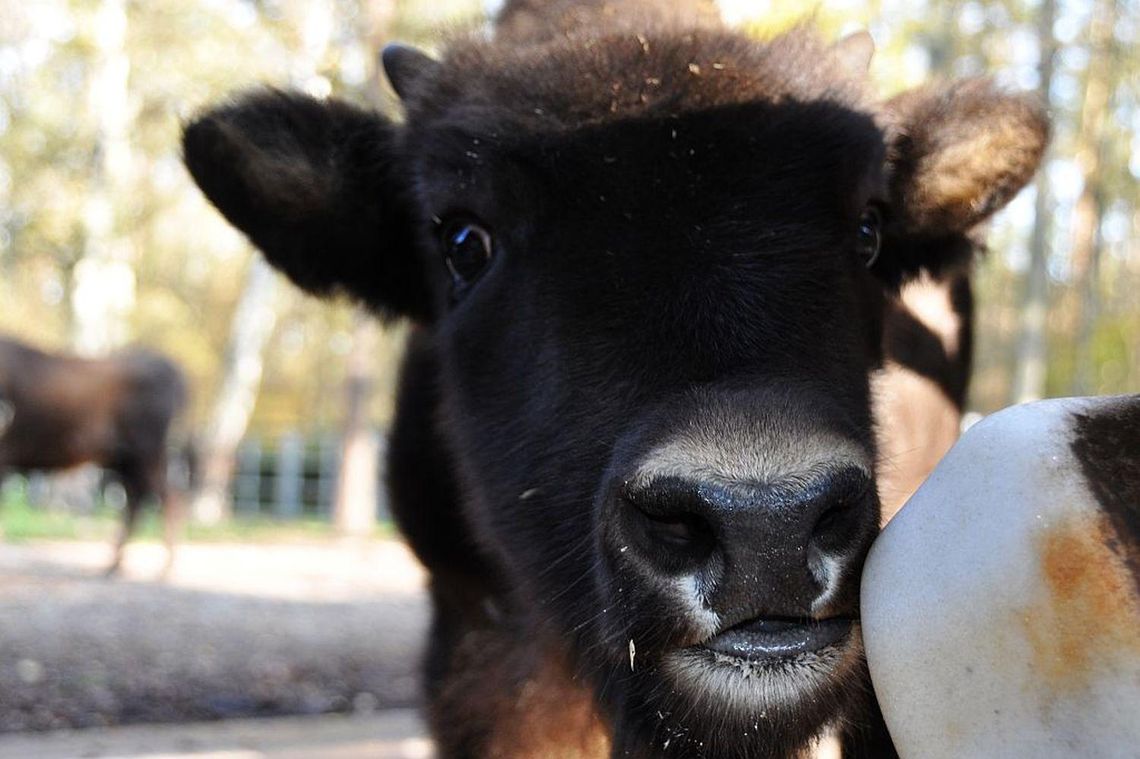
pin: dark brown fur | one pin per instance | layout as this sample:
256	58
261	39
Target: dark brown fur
1107	446
114	412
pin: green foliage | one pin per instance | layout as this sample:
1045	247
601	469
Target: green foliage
20	522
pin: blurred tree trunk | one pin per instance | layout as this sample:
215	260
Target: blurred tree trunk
356	500
256	313
1030	369
252	324
103	280
1087	241
374	29
942	39
357	497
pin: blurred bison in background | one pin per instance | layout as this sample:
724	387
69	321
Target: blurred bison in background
58	411
649	261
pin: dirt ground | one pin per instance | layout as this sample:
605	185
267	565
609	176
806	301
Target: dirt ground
390	734
234	631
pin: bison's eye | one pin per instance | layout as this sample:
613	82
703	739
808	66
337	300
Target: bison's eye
467	251
869	239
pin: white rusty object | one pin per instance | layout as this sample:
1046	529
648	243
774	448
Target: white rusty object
1000	617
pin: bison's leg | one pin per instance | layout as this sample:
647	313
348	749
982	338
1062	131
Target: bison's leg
173	518
136	492
4	472
171	505
142	482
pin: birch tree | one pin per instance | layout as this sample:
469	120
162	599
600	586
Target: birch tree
1032	355
233	405
103	281
356	496
256	313
1087	240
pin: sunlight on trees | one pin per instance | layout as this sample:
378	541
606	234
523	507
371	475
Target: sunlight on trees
104	240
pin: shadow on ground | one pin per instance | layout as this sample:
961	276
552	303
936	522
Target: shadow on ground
236	631
392	734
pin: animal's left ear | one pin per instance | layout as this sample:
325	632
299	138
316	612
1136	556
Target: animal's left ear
958	153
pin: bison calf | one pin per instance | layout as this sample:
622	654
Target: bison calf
648	262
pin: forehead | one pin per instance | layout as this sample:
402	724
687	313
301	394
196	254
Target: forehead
659	119
575	82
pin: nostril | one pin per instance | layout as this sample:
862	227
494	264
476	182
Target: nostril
674	542
681	530
664	525
829	521
835	520
841	511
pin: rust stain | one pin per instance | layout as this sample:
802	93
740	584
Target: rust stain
1089	621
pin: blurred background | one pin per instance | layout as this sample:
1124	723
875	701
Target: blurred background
104	243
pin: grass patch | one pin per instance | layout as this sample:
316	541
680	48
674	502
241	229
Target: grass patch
21	521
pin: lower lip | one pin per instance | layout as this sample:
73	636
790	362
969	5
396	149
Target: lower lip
768	639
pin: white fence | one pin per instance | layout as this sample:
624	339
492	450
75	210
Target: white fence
293	476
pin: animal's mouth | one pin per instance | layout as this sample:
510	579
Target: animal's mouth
771	665
768	640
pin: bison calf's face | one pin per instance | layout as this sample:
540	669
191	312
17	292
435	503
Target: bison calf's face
655	337
649	274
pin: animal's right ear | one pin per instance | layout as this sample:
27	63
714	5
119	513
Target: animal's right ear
315	185
959	152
